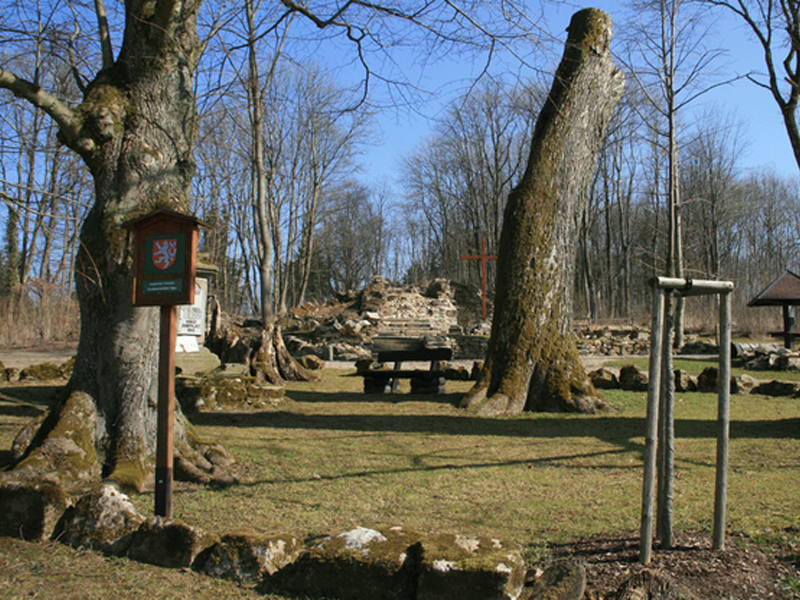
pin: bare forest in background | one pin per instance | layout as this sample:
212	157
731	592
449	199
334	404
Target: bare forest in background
325	229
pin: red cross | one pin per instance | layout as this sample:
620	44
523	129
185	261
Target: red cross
483	258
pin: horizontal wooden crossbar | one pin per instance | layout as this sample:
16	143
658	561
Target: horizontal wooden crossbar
415	355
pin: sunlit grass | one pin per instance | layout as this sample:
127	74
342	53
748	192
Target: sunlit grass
332	457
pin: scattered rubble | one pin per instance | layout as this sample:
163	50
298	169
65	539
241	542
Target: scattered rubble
634	378
623	339
223	390
767	357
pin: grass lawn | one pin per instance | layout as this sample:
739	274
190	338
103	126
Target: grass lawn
330	457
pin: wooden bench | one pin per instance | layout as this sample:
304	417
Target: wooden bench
430	381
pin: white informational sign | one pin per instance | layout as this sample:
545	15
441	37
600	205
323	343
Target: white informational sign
186	343
192	317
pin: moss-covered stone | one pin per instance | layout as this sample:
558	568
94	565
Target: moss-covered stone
226	393
633	378
103	519
560	582
169	543
397	564
466	567
359	563
248	556
30	510
45	371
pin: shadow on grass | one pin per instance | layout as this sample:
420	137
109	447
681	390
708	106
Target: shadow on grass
561	461
358	397
28	400
612	428
623	434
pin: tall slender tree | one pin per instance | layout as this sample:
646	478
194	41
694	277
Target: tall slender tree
532	362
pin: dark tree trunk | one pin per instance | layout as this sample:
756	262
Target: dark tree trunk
134	129
532	361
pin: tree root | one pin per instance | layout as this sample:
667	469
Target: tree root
61	449
271	362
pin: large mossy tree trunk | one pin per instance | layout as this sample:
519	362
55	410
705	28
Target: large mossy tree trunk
134	129
532	360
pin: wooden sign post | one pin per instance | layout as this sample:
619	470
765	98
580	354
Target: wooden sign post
164	265
483	258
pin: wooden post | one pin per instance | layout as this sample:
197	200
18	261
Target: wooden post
483	258
166	412
723	420
788	324
666	438
164	271
651	436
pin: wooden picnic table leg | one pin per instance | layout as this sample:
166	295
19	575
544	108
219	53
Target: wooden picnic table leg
395	382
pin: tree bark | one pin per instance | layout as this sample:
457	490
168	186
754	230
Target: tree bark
134	130
532	361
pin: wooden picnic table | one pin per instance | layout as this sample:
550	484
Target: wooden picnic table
423	381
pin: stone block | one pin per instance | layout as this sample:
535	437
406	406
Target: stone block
45	371
226	393
470	568
633	379
168	543
743	384
248	556
197	363
707	380
103	520
360	564
559	582
684	382
31	511
604	379
777	388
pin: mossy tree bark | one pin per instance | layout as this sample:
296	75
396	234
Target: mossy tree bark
532	360
134	129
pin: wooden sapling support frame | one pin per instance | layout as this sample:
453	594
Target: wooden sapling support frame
685	287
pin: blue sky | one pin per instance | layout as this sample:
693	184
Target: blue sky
753	106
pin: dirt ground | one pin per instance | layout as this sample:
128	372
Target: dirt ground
692	569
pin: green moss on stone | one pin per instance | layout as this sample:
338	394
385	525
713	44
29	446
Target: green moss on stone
46	371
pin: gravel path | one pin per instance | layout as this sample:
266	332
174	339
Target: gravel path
21	358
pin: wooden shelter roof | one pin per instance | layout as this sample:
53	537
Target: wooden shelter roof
784	291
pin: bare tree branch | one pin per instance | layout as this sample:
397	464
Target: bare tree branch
105	37
67	119
776	26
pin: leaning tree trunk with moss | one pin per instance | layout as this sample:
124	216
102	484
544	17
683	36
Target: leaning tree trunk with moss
134	129
532	361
